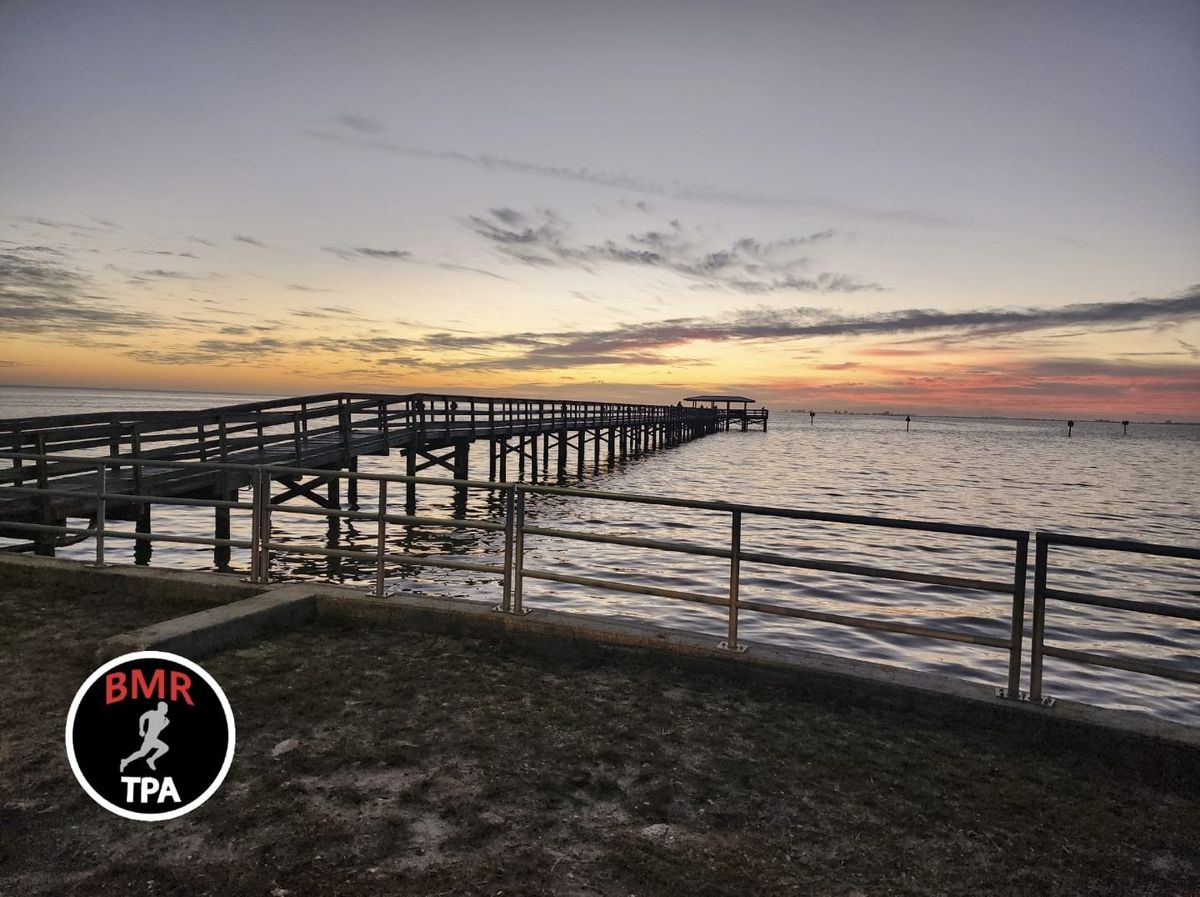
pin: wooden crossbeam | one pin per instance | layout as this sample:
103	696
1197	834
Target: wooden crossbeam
308	490
434	460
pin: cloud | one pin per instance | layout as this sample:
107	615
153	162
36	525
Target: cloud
674	189
39	297
746	265
389	254
304	288
403	255
242	238
394	255
65	225
182	255
325	311
563	348
648	343
364	124
467	268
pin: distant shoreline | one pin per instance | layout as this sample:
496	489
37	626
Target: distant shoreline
231	392
1082	420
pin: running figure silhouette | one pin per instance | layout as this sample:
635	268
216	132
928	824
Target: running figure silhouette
150	726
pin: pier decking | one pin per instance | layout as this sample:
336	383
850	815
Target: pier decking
328	431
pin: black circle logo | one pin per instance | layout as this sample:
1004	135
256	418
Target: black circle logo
150	735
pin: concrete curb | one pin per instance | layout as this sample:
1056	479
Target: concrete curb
66	578
209	631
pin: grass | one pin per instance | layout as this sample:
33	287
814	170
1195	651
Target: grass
438	765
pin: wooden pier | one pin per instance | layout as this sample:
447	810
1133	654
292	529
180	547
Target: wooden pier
526	440
728	412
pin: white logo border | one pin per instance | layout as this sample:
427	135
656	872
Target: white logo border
70	742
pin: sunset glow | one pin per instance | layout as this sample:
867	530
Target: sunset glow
908	218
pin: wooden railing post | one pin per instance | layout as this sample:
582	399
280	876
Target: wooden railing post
17	445
39	442
297	439
344	427
135	442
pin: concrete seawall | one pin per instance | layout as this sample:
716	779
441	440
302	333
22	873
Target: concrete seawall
219	611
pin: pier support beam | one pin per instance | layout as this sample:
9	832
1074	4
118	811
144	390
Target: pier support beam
352	485
562	455
333	493
43	543
221	530
462	471
142	548
410	489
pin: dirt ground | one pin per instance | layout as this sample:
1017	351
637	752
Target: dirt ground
374	761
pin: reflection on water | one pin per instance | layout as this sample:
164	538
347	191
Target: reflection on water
1016	474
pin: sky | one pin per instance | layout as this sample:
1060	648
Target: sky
920	207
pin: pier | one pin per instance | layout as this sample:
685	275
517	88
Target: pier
732	411
526	439
299	457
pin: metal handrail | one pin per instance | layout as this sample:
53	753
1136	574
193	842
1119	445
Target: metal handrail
1042	593
513	569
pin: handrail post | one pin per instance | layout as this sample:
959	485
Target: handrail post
735	572
506	600
17	463
260	537
101	489
1016	634
135	445
344	427
42	475
381	544
518	559
1041	560
255	526
265	556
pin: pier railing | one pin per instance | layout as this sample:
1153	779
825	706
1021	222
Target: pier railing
1043	593
513	569
514	529
288	429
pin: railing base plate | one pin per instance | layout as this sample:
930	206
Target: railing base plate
499	608
738	649
1024	696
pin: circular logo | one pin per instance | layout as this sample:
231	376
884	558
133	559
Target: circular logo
150	735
